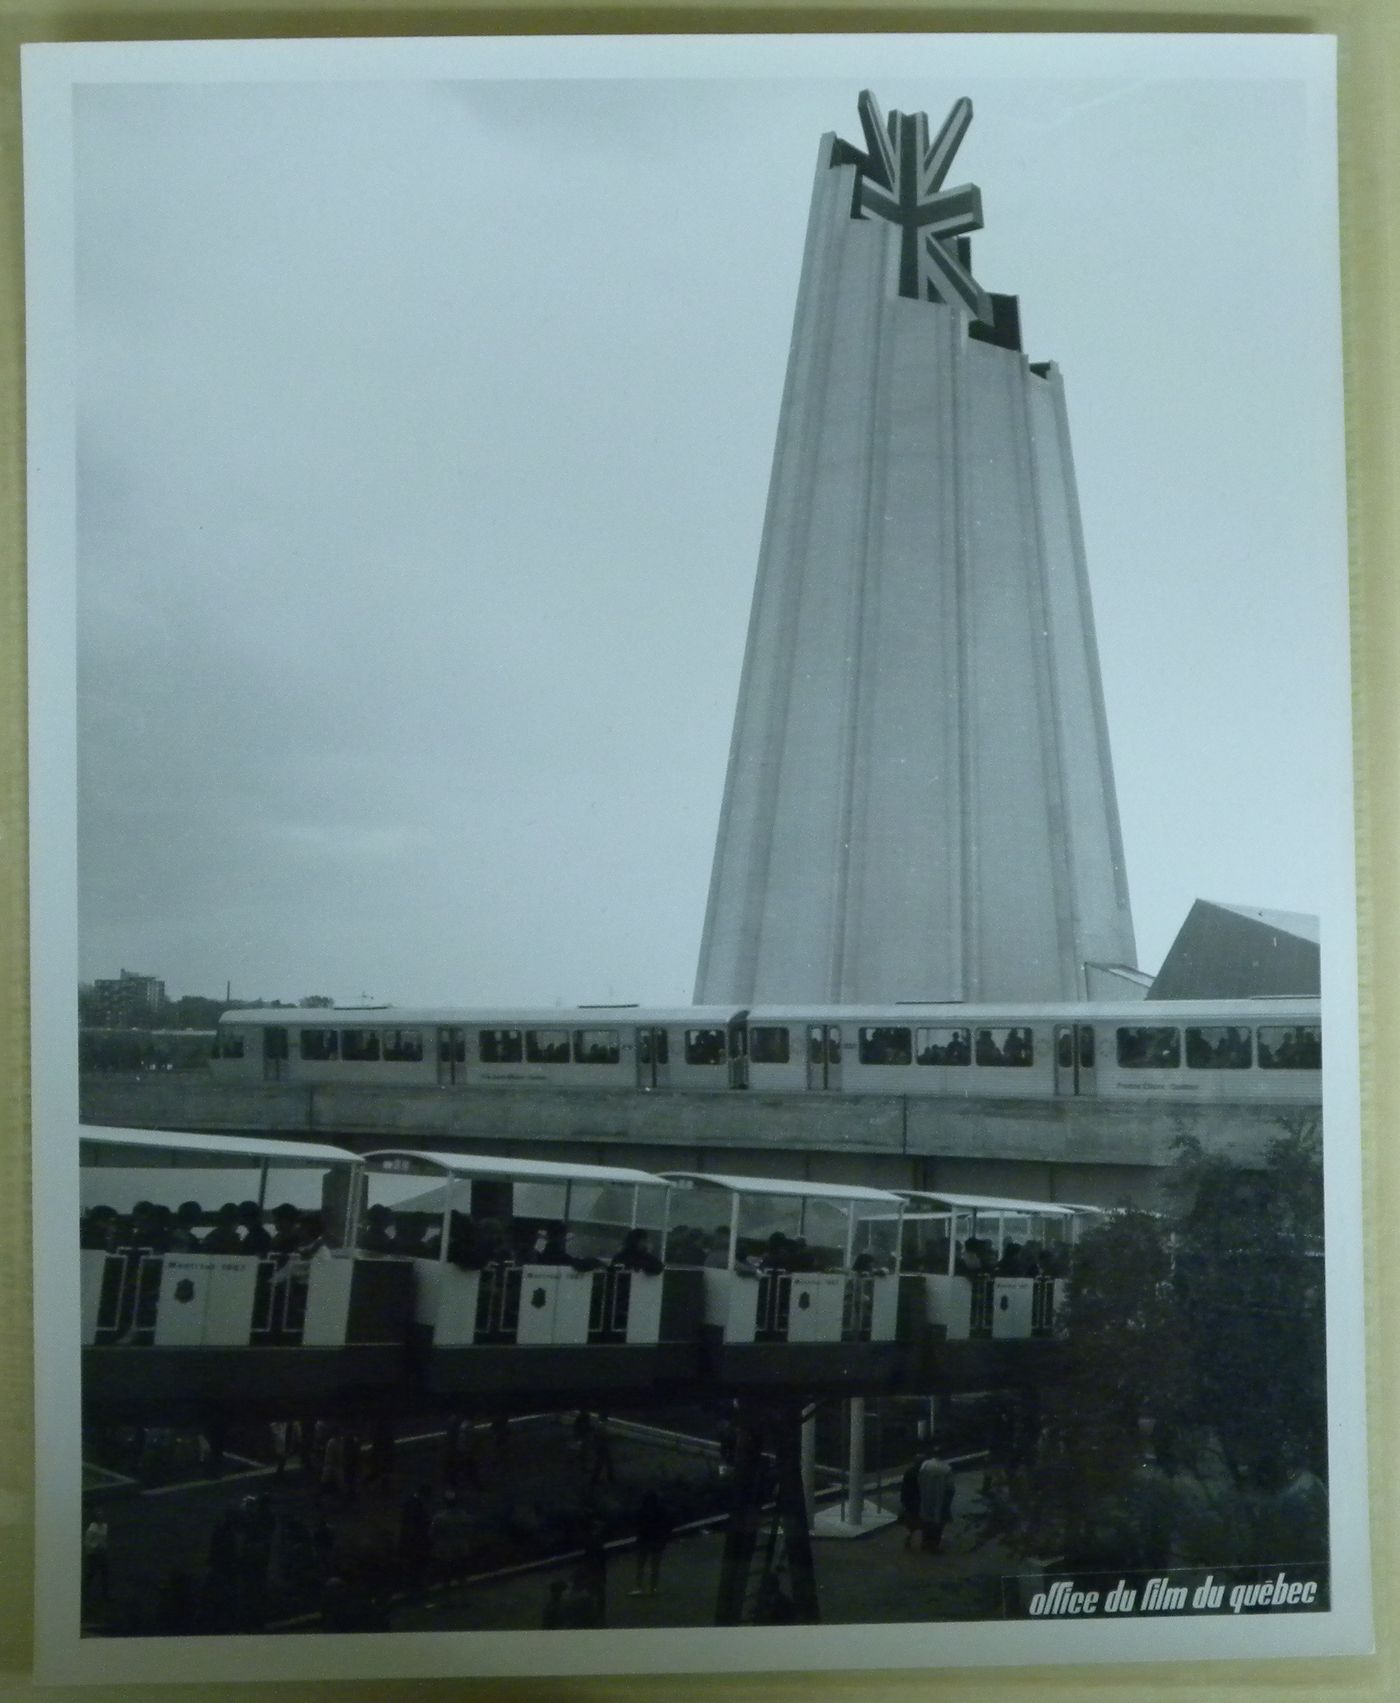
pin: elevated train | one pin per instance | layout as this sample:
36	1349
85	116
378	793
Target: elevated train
510	1279
1213	1052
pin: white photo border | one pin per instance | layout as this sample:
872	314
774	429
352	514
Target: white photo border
50	76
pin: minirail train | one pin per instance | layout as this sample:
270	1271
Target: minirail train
1211	1052
469	1277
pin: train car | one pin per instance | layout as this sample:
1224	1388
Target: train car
186	1295
1195	1052
532	1275
694	1047
801	1279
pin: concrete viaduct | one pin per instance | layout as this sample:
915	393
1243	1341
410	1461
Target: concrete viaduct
1101	1153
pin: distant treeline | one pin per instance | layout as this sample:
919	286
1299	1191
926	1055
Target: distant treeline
144	1049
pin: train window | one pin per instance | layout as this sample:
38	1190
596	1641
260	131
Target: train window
320	1043
275	1043
1218	1049
1064	1049
452	1046
885	1046
1149	1048
1297	1048
228	1043
704	1046
596	1046
547	1046
943	1046
647	1039
769	1046
359	1046
1009	1048
1086	1048
500	1046
403	1046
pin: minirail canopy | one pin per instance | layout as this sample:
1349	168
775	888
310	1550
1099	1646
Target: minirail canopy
526	1170
261	1149
990	1203
800	1190
579	1191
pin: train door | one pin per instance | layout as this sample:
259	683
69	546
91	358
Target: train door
738	1056
824	1055
274	1053
452	1057
1075	1071
653	1059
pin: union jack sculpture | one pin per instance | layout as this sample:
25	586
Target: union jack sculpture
900	177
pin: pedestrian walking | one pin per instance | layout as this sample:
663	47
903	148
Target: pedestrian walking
593	1567
332	1479
602	1466
382	1445
909	1501
935	1499
654	1528
459	1456
350	1462
450	1532
415	1535
96	1560
552	1617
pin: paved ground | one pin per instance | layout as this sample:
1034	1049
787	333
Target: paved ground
531	1500
872	1578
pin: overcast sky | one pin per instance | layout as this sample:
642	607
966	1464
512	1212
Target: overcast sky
424	437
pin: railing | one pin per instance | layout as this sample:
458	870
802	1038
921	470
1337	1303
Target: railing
858	1308
983	1304
120	1284
129	1306
1043	1307
498	1304
279	1301
774	1306
610	1304
126	1310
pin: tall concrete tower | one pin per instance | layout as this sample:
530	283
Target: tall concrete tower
920	799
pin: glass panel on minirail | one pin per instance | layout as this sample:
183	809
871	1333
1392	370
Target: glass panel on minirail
876	1234
768	1225
187	1199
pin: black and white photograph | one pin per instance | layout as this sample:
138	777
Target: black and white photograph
692	843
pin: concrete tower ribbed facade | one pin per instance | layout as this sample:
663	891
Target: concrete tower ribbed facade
920	799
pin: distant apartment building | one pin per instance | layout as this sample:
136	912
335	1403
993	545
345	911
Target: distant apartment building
129	1001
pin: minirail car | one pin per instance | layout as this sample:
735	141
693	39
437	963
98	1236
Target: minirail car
287	1276
991	1267
812	1268
520	1254
170	1281
1201	1052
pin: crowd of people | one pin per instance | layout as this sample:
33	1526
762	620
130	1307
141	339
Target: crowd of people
236	1227
977	1256
476	1243
339	1530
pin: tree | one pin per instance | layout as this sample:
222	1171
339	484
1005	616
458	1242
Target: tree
1250	1279
1078	1493
1191	1420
